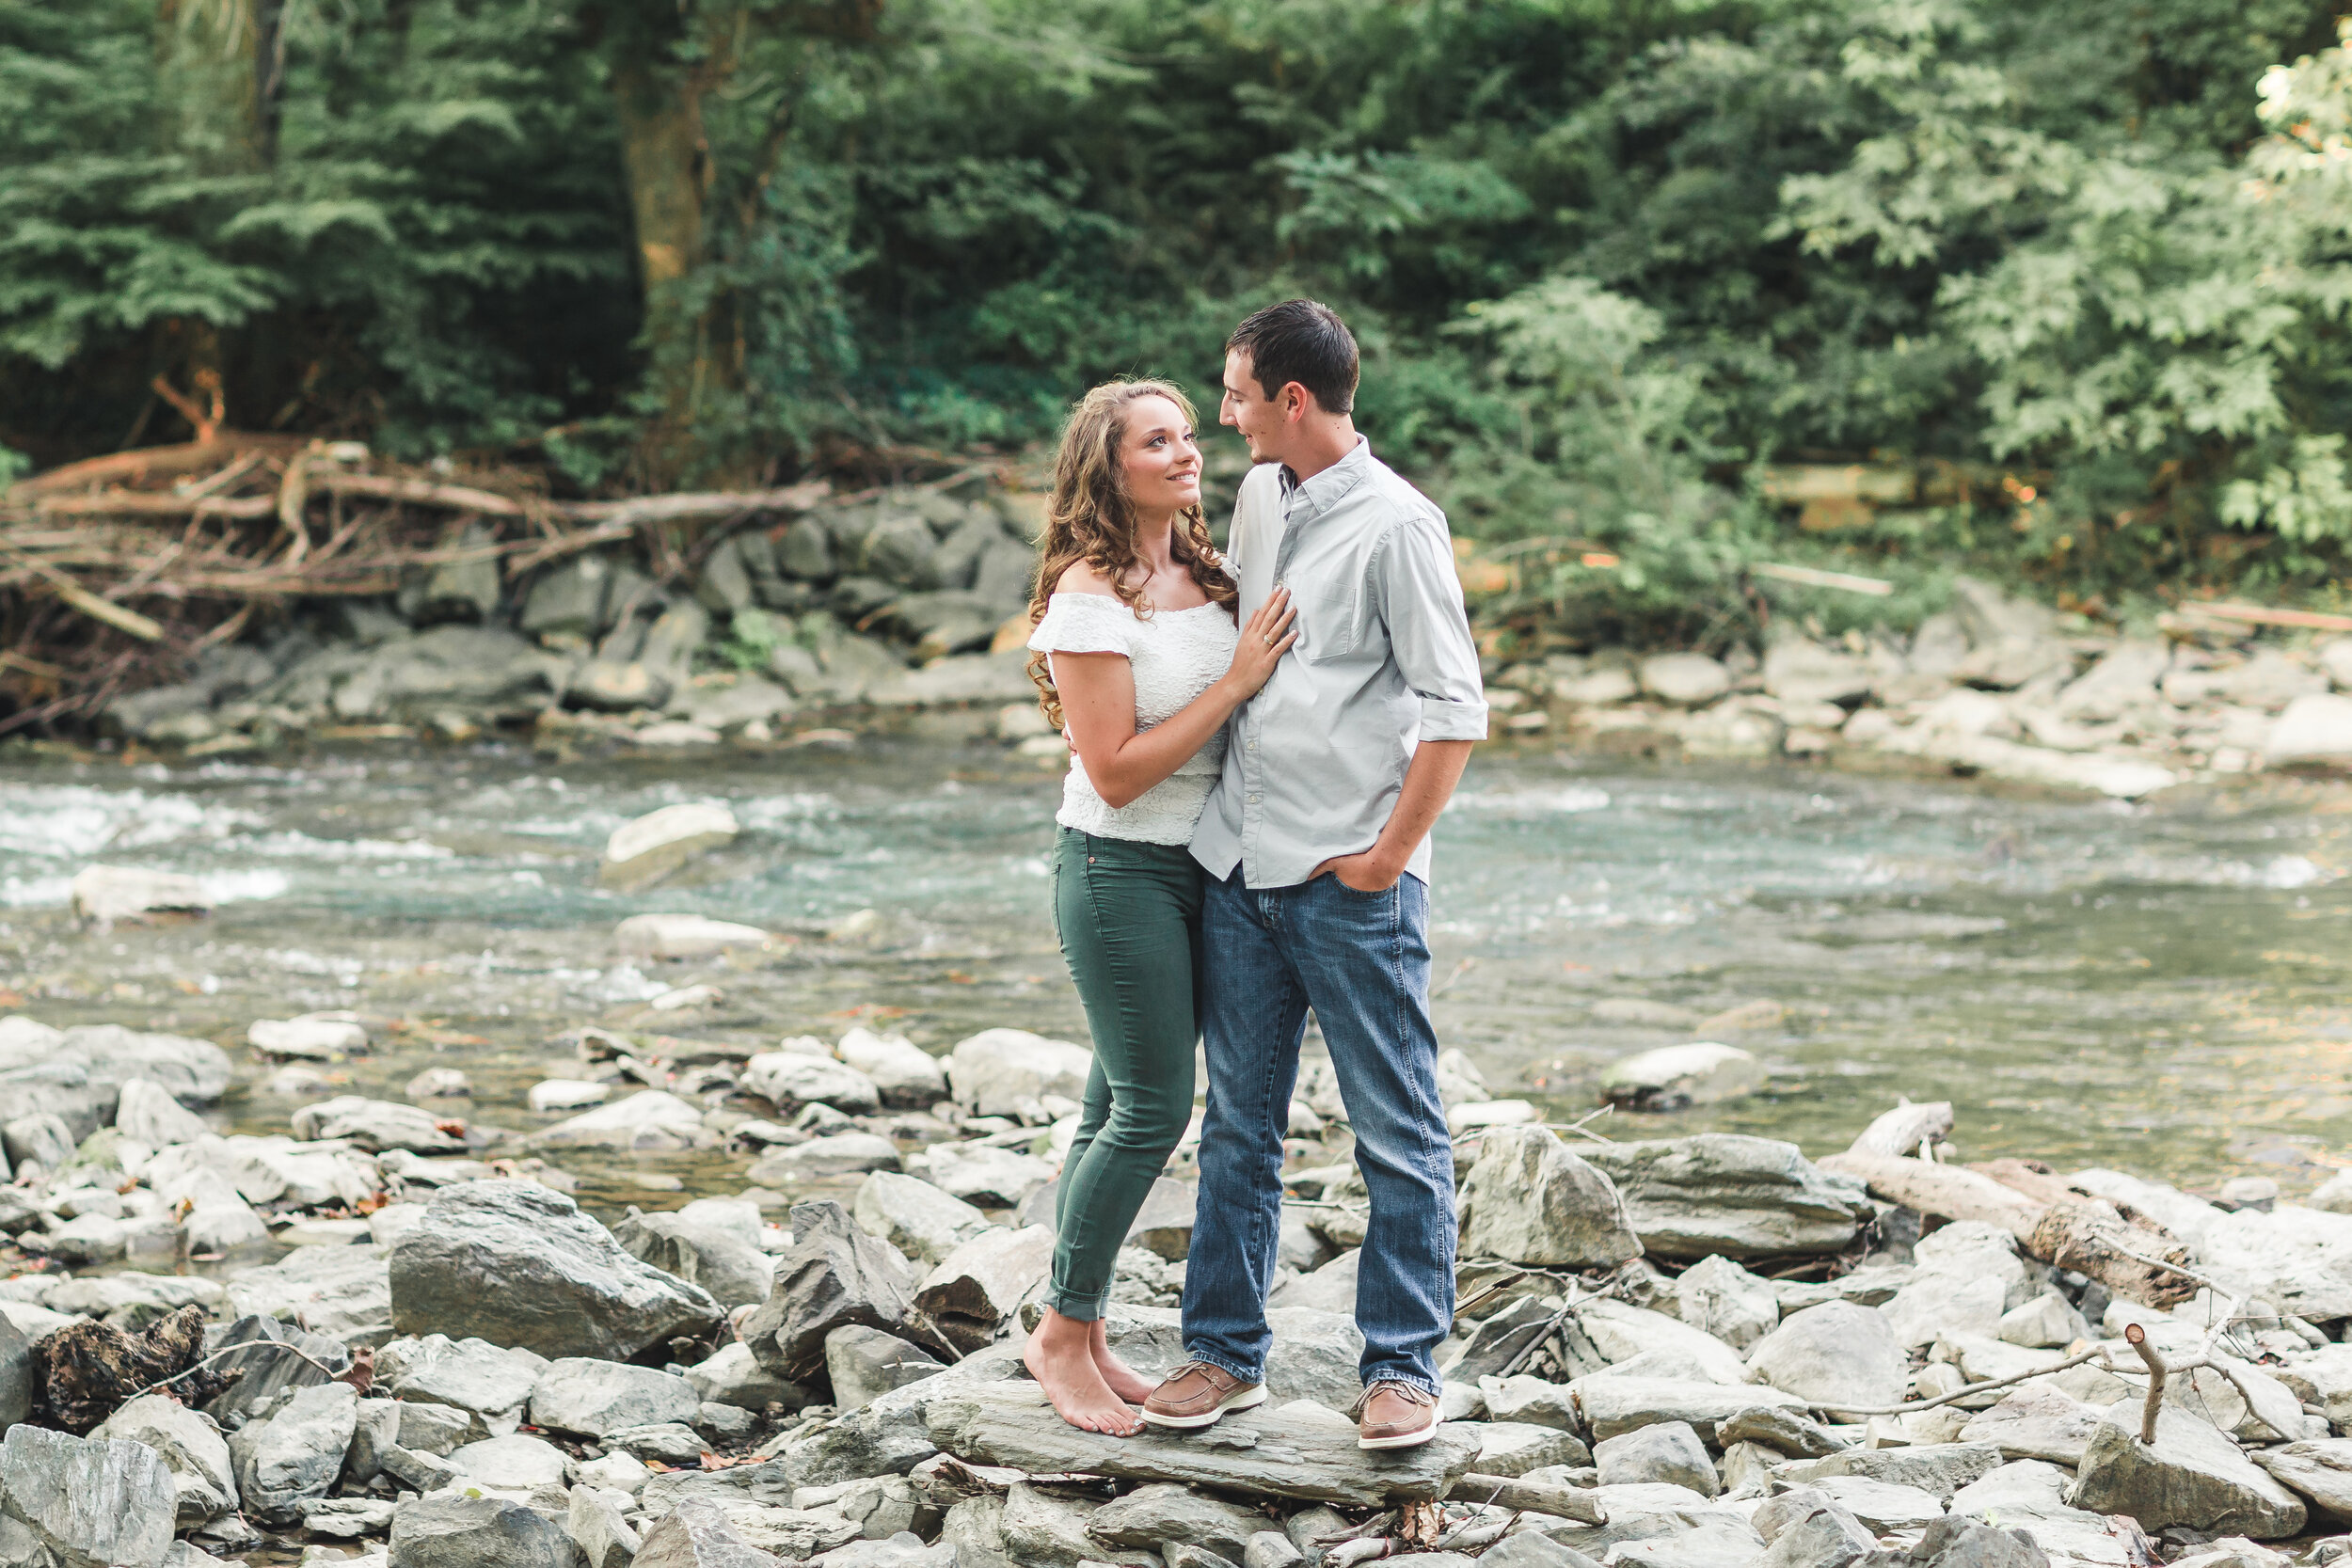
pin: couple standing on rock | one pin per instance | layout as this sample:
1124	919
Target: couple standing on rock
1263	739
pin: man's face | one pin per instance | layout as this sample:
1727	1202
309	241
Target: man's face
1245	408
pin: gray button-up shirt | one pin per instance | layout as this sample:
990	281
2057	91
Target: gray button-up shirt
1384	661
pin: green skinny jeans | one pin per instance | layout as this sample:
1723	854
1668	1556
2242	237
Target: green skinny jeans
1128	913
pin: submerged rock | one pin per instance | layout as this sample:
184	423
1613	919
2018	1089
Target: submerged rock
377	1125
108	895
518	1263
1674	1076
683	936
643	851
650	1120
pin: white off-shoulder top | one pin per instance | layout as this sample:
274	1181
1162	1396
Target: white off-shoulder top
1175	654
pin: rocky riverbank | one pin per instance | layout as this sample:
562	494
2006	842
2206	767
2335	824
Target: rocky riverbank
805	623
391	1333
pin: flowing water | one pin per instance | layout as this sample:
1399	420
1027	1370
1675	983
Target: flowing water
2161	987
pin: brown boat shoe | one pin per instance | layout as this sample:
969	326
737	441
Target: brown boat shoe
1394	1414
1195	1394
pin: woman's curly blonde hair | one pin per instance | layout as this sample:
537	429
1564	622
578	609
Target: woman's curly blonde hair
1089	517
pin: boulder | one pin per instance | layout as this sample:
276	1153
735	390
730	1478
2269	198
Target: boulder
2124	678
732	1376
1822	1536
517	1463
920	1220
1730	1194
648	1121
1271	1453
835	1154
2048	1322
1665	1451
1798	670
85	1503
1530	1400
105	896
19	1367
792	1079
1687	680
835	1275
723	1262
980	1174
2010	640
1328	1289
1049	1530
1150	1515
1784	1432
981	1283
2035	1421
1676	1076
457	1529
518	1263
2192	1475
1620	1333
1512	1448
1529	1198
308	1039
904	1073
597	1529
77	1074
670	1443
1837	1356
566	1094
683	936
1612	1404
2024	1486
1939	1469
2315	731
344	1293
146	1113
591	1397
376	1125
1008	1073
1719	1297
643	851
1965	1543
2319	1471
863	1363
203	1475
1881	1506
296	1454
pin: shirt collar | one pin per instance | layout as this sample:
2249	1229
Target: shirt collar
1327	487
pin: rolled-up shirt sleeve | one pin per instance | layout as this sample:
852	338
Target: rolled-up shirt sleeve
1421	601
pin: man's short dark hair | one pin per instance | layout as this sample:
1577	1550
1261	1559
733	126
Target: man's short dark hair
1303	341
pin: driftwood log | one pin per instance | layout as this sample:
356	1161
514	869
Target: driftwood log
1527	1496
2124	1251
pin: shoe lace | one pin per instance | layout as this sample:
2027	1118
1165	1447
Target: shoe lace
1410	1393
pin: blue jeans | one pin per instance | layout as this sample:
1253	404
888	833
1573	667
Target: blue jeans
1362	962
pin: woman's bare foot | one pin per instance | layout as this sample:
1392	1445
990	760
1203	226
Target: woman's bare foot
1117	1376
1060	1357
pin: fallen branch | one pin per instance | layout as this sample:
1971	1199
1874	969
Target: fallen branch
2255	615
1813	576
2099	1355
1527	1496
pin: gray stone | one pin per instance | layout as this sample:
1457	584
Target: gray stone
1620	1333
683	936
2034	1421
1675	1076
418	1472
1687	680
203	1476
567	597
724	1424
1666	1452
1726	1300
1730	1194
583	1394
651	1121
1881	1505
1522	1398
435	1429
105	895
976	1173
2319	1471
723	1262
87	1502
616	686
862	1362
904	1073
1162	1512
2315	731
456	1530
1516	1448
1184	1554
518	1263
835	1275
2012	640
346	1518
1049	1531
920	1220
835	1154
474	1377
1784	1432
2192	1475
1965	1543
298	1453
981	1284
1837	1355
596	1528
732	1376
1529	1198
2024	1486
1002	1072
77	1074
1497	1339
375	1428
1527	1549
1825	1536
375	1125
42	1139
146	1112
1939	1469
672	1443
516	1463
645	849
1259	1452
16	1374
1612	1404
791	1079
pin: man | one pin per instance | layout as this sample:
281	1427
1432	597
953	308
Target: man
1315	842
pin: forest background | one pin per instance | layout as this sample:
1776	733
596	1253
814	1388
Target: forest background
2074	274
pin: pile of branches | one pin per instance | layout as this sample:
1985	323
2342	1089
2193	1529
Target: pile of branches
117	571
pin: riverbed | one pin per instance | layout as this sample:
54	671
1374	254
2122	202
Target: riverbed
2163	987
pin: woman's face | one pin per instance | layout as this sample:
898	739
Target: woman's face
1158	457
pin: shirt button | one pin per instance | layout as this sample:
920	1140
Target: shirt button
1253	799
1253	745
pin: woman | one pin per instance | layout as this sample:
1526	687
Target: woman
1139	663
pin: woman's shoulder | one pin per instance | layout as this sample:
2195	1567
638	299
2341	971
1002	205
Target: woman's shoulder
1085	577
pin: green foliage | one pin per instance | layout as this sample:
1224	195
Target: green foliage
1607	263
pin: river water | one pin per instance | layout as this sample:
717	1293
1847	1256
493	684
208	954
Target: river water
2164	988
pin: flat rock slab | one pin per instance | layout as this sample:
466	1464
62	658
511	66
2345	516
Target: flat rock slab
1937	1468
1253	1453
2035	1423
2320	1471
2191	1475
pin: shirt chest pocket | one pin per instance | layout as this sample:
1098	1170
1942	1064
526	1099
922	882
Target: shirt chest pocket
1335	621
